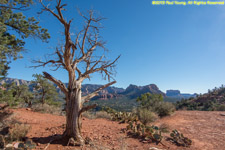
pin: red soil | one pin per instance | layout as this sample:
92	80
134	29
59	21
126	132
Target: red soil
205	129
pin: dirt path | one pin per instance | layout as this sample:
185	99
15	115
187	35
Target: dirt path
206	129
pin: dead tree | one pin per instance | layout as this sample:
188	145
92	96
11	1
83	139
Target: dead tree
80	58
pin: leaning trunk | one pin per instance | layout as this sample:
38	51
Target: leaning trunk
73	107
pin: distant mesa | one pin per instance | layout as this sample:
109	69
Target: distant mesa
172	93
177	94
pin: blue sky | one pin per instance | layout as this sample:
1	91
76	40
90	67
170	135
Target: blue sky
174	47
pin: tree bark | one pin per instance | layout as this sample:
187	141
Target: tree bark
73	124
43	98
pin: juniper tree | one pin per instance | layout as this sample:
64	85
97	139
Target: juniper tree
15	94
14	28
80	56
45	91
22	94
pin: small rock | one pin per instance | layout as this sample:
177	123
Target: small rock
29	109
15	145
9	148
9	145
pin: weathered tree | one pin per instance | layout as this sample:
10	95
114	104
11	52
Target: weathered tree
80	57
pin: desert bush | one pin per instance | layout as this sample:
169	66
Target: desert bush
146	116
164	128
45	108
18	131
155	103
220	108
89	115
98	114
164	108
103	114
4	113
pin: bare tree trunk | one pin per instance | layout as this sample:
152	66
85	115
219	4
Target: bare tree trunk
72	56
43	98
73	108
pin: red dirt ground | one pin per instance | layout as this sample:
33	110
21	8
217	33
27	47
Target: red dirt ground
205	129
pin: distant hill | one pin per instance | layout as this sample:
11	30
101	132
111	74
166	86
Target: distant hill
132	91
211	101
118	98
17	81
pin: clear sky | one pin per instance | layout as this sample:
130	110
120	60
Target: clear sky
174	47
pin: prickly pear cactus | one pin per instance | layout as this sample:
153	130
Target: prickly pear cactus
179	139
135	127
29	144
147	133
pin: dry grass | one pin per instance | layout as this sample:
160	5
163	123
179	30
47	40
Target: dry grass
45	108
18	131
95	115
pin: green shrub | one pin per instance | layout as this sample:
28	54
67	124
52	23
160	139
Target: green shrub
220	108
18	131
164	109
155	103
146	116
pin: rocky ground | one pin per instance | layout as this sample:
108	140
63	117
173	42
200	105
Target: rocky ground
205	129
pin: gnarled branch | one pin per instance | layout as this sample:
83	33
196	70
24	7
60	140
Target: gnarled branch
86	108
57	82
103	68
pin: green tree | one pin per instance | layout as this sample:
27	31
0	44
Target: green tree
155	103
6	94
148	100
28	98
22	94
45	91
13	94
14	28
